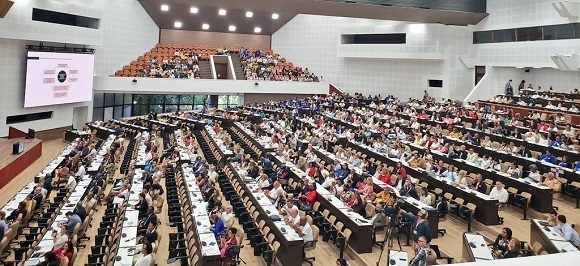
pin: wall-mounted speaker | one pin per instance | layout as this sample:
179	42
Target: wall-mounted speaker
5	5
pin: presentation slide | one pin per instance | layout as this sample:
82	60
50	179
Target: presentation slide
58	78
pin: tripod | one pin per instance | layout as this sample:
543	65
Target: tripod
392	231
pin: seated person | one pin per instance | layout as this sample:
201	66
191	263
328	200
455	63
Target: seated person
567	231
227	241
513	250
499	193
146	257
501	243
218	226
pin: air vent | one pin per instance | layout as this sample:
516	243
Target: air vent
48	16
14	119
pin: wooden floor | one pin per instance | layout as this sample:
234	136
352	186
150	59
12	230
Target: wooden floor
325	253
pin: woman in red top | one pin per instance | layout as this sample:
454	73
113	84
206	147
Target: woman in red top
310	196
65	250
385	176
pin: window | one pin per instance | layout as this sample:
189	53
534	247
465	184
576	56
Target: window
391	38
482	37
225	101
529	34
435	83
140	99
559	32
156	98
504	35
548	32
111	106
186	99
171	99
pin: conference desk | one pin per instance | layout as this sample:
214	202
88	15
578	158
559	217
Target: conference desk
291	245
410	204
254	118
262	142
101	132
183	154
362	229
550	240
71	135
544	102
130	126
46	243
525	111
218	145
487	209
398	257
100	157
541	195
475	248
210	253
566	172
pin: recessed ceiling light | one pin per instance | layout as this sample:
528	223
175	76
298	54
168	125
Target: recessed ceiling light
177	24
275	16
164	7
194	10
232	28
257	30
205	26
249	14
222	12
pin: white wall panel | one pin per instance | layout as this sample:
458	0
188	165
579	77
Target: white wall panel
126	31
312	41
205	86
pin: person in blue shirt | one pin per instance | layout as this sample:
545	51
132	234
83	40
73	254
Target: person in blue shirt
577	168
218	225
565	163
451	173
557	142
548	157
343	172
567	232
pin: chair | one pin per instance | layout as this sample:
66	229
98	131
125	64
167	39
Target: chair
467	213
573	190
435	248
311	245
523	200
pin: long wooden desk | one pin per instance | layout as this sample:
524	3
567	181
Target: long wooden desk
487	209
551	241
291	245
541	195
362	230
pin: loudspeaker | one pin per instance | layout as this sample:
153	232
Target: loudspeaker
5	5
31	133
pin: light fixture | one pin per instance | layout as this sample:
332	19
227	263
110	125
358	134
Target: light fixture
232	28
257	30
222	12
177	24
275	16
205	26
164	8
193	10
249	14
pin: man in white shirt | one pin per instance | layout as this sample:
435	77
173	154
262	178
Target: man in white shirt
499	193
273	194
304	230
71	183
81	171
145	259
534	175
227	216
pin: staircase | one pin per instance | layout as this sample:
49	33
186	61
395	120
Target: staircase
204	69
237	66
